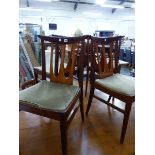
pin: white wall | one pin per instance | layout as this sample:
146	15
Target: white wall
126	28
68	21
67	26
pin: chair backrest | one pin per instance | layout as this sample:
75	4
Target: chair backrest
105	55
60	70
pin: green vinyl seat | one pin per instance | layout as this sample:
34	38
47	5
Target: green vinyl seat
49	95
118	83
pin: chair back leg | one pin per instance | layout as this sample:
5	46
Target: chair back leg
63	131
125	121
109	98
87	78
90	98
81	109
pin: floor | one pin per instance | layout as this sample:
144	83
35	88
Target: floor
98	135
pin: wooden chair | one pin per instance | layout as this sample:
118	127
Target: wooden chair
57	98
121	63
110	81
38	69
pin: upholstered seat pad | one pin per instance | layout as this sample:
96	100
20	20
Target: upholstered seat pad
119	83
48	95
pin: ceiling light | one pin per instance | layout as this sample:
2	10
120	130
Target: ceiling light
115	20
31	17
92	13
77	18
112	6
131	17
47	0
30	9
100	2
44	0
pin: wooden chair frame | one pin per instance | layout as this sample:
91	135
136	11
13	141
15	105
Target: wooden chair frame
65	117
104	70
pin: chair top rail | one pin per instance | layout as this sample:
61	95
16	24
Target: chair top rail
63	40
106	40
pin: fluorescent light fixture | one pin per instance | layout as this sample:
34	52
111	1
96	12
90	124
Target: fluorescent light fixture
100	2
112	6
44	0
76	18
129	16
32	17
125	18
30	9
115	20
47	0
92	13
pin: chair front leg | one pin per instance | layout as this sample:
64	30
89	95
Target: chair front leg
63	130
90	98
125	121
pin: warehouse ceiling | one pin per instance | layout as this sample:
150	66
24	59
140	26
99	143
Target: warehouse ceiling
76	3
113	7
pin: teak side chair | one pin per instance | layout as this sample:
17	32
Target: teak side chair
88	52
58	98
109	80
38	69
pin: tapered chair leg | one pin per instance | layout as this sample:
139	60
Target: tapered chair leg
90	99
125	121
113	99
109	98
87	78
81	108
63	130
